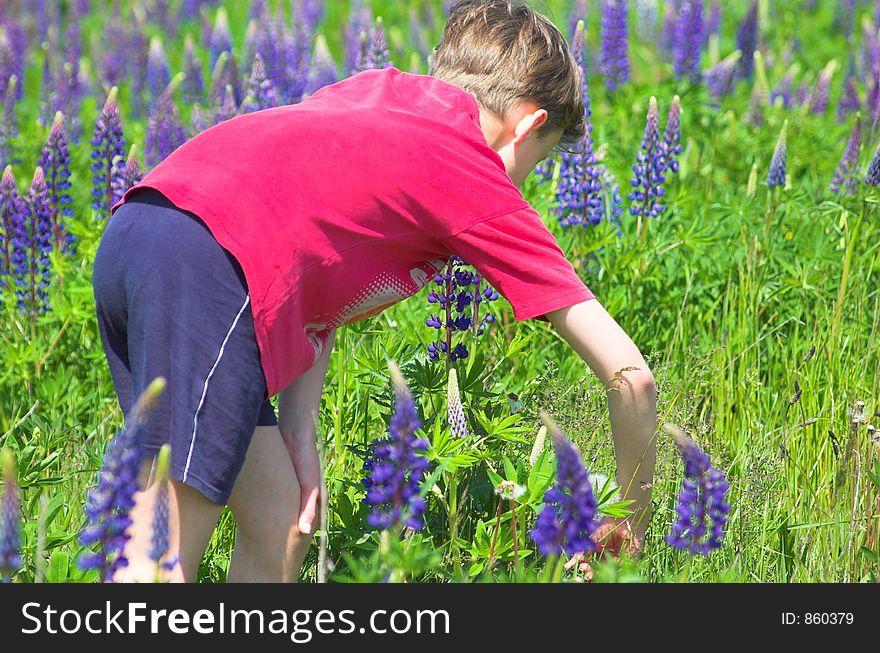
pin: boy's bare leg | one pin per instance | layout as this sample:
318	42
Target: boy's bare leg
186	506
269	547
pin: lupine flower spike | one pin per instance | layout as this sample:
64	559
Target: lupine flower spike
159	539
776	176
568	517
688	46
10	520
847	169
129	176
702	506
672	135
12	216
165	132
397	468
31	247
107	143
55	162
323	71
649	170
747	40
615	43
261	93
454	409
108	505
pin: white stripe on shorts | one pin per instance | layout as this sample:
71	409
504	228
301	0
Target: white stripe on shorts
205	389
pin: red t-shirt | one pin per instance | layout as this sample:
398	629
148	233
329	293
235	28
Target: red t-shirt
352	200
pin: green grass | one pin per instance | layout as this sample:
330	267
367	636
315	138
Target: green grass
729	314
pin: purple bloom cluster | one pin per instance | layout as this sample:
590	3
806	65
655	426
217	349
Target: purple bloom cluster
228	108
701	502
649	169
615	43
158	72
460	296
672	135
360	21
108	505
31	246
849	99
688	45
568	517
107	143
261	92
165	132
713	23
776	175
221	37
820	93
128	176
721	77
747	41
193	83
55	162
397	467
323	70
845	173
10	521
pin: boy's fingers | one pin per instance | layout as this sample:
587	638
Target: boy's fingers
308	472
308	510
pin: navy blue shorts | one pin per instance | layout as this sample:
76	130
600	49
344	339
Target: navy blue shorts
171	302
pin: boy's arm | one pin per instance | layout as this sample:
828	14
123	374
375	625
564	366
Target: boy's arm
632	397
298	407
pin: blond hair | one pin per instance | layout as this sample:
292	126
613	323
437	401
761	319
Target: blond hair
504	52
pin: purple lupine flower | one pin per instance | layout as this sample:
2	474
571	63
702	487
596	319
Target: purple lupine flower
55	162
397	467
107	144
669	30
615	43
193	84
688	47
713	23
872	177
323	70
9	121
221	37
460	296
158	72
69	98
310	12
10	520
139	53
197	122
360	19
188	9
849	99
109	504
261	92
783	90
568	517
847	168
378	55
701	502
776	175
32	245
298	51
747	41
720	78
672	135
17	43
228	108
7	59
649	169
165	132
578	12
12	214
844	17
129	175
159	537
114	59
820	93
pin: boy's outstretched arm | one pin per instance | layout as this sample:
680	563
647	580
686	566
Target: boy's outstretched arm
298	407
632	397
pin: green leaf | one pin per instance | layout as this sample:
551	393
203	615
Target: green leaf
509	469
59	562
494	477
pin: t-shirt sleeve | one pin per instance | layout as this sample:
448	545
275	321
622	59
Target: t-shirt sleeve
518	255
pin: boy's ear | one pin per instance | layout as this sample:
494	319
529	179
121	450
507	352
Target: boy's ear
528	123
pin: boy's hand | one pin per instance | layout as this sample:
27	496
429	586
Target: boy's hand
612	537
304	455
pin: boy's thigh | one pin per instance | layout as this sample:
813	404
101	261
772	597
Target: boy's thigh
266	497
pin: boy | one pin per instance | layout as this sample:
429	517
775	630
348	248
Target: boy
229	267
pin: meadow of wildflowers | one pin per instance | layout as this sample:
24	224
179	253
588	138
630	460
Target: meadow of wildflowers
741	255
